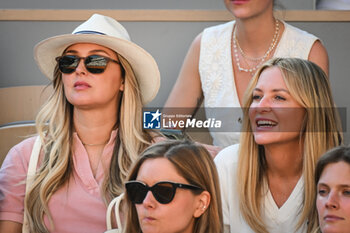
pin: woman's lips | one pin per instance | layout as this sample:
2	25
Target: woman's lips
265	124
332	218
81	85
148	219
239	2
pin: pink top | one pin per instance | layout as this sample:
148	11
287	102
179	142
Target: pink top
75	207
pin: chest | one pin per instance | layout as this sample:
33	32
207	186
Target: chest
77	207
241	80
281	191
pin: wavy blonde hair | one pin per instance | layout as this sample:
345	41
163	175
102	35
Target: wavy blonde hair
321	130
54	125
194	163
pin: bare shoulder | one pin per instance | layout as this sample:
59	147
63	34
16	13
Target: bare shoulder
192	56
197	41
319	55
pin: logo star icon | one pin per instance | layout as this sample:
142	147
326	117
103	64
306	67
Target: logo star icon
156	115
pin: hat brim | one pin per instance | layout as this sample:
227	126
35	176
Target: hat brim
143	64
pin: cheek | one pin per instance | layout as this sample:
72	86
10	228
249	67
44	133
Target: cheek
319	204
252	113
187	207
113	82
65	80
290	121
179	212
319	207
139	211
67	84
298	114
346	204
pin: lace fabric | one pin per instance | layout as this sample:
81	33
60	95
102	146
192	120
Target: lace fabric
216	71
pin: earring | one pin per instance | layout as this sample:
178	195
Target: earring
203	208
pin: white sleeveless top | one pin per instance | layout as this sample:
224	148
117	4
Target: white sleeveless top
216	73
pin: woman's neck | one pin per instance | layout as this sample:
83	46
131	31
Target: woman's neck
284	160
284	169
255	34
94	126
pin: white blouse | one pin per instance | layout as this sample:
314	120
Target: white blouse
277	220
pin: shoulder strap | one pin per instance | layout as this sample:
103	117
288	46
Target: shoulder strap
33	162
116	203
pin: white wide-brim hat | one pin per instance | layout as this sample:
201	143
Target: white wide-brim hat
105	31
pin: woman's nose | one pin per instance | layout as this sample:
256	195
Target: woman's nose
81	69
332	201
263	105
149	201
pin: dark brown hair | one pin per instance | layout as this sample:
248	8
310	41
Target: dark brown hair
337	154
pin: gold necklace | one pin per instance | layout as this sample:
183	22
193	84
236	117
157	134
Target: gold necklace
260	60
99	144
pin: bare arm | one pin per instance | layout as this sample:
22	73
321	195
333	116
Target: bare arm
319	55
187	91
10	227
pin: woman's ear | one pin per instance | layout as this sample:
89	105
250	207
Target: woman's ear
121	88
203	201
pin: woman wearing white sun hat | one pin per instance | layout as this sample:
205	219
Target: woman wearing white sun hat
89	131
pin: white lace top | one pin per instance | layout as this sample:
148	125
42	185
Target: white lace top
216	73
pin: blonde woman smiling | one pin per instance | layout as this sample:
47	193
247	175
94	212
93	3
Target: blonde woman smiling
289	121
90	130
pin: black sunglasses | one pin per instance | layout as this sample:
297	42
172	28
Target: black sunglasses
163	191
95	64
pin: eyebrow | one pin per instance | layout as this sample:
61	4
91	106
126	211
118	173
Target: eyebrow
338	185
273	90
92	51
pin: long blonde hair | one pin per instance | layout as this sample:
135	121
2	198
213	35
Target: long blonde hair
309	86
194	163
55	128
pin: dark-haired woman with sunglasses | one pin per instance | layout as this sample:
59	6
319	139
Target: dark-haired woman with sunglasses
90	132
173	187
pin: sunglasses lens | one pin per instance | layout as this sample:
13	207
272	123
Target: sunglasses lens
164	192
95	64
136	191
67	64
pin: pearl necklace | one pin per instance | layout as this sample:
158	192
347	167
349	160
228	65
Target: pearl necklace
260	60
